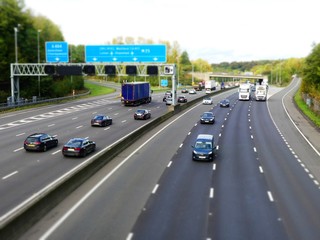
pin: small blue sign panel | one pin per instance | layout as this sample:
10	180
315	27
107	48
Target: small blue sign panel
57	52
164	83
151	53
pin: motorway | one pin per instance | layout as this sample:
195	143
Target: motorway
258	187
26	174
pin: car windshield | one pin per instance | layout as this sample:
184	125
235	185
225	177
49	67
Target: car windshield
207	115
140	111
32	139
98	117
75	143
203	145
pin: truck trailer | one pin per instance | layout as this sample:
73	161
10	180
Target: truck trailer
210	85
135	93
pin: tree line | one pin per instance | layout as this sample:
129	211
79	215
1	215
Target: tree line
14	15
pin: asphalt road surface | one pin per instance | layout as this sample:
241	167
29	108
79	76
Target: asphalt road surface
259	186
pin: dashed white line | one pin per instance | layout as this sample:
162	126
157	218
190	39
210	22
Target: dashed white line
51	125
254	149
18	149
251	136
123	121
217	147
155	189
74	118
169	164
211	192
9	175
181	145
219	134
55	152
214	166
270	196
106	128
260	169
79	127
189	133
129	237
20	134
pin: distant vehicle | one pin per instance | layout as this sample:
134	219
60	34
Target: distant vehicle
78	147
244	91
192	91
184	90
261	92
222	85
210	85
101	120
204	148
142	114
207	101
225	103
39	142
207	117
198	86
168	93
182	99
135	93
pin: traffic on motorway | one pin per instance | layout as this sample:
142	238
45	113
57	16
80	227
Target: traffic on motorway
239	170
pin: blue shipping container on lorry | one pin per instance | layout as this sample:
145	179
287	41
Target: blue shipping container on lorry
135	93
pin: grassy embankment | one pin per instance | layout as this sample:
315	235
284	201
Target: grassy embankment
306	110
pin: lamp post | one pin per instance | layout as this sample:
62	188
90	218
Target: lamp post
16	42
39	31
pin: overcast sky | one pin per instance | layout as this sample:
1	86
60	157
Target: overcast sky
214	30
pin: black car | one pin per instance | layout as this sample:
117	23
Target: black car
184	90
101	120
142	114
225	103
182	99
78	147
39	142
207	117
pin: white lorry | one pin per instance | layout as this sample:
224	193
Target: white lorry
244	91
261	92
210	85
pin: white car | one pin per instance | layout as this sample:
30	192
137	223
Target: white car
192	91
207	101
169	101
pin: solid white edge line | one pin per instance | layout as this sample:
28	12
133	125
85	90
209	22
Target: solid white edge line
270	196
9	175
155	189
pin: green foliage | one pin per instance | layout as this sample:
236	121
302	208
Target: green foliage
311	73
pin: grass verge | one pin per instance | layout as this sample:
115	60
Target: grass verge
312	116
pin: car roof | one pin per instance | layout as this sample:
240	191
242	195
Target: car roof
37	134
205	136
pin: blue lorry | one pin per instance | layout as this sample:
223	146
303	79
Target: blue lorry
135	93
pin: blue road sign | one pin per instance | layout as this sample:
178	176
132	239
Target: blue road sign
153	53
164	83
57	52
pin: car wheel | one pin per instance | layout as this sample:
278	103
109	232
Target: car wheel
45	148
84	153
57	143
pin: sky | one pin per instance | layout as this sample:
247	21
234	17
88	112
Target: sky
213	30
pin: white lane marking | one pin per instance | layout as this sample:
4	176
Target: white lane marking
251	136
55	152
20	134
123	121
18	149
214	166
169	164
9	175
261	169
189	133
211	192
106	128
254	149
51	125
155	189
79	127
74	118
129	237
181	145
217	147
270	196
